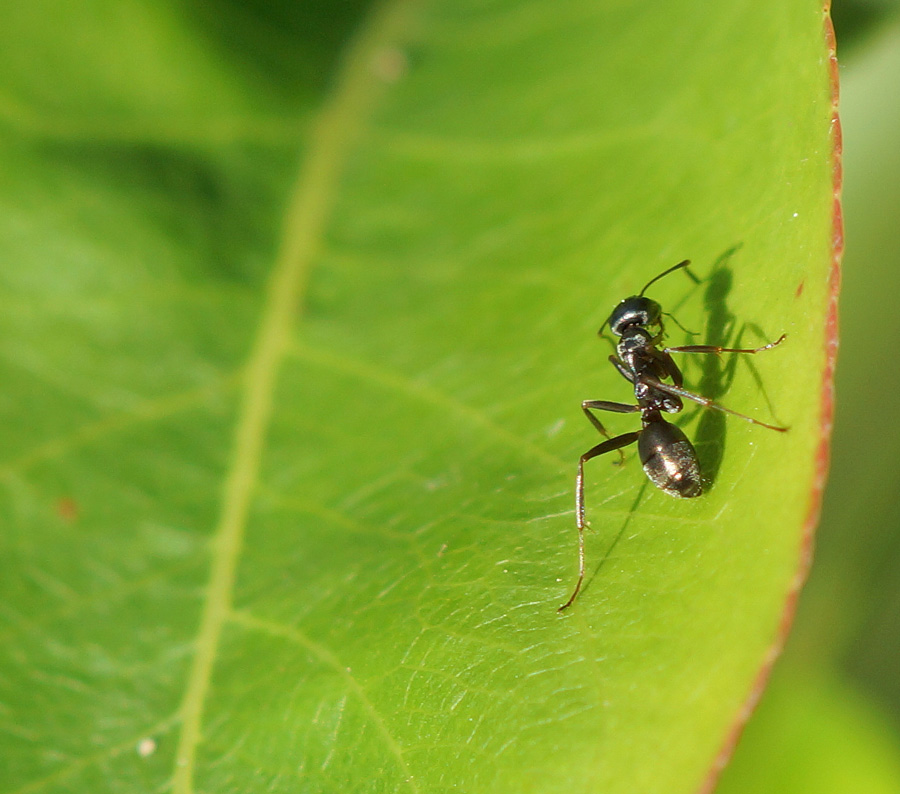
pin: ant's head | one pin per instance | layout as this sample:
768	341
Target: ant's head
640	311
636	310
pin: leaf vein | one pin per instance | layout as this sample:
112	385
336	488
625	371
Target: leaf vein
150	411
294	635
421	393
332	135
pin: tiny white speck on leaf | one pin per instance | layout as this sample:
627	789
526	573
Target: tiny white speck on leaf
146	747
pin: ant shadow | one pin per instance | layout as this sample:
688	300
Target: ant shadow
718	372
608	551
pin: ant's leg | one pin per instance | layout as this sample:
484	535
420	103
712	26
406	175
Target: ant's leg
623	370
610	445
717	350
603	405
668	364
705	402
675	320
604	446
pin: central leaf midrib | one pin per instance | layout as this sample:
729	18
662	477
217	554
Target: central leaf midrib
311	203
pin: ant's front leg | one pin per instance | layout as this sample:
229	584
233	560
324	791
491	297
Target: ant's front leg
610	445
623	370
717	350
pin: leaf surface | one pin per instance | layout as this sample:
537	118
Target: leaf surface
292	371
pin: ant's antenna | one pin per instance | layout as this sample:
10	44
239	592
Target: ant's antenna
680	265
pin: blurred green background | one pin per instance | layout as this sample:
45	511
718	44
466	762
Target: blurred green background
830	719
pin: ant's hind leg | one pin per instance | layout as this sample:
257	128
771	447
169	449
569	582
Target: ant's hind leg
609	445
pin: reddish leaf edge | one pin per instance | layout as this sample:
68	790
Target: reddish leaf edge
826	423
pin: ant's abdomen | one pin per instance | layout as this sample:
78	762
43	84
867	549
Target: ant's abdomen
669	459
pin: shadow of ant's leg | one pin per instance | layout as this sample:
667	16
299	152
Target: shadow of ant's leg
603	447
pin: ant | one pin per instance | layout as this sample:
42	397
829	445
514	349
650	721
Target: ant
669	459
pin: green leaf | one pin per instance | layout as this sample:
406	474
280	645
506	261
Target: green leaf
292	370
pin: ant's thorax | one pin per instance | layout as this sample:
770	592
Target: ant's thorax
641	359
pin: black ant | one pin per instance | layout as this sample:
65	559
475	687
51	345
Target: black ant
669	459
